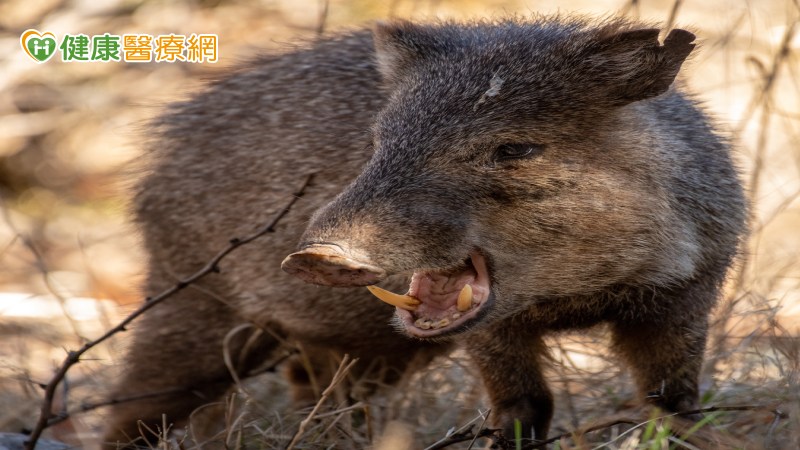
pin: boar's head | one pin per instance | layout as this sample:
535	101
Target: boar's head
512	165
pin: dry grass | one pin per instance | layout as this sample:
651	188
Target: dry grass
69	128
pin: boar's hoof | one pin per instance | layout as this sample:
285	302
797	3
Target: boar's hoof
329	265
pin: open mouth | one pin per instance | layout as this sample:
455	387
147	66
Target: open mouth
442	302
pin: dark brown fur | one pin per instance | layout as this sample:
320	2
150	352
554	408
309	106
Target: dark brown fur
630	216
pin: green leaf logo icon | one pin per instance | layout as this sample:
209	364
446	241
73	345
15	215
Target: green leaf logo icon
39	46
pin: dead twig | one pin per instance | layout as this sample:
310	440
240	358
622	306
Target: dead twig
673	15
323	16
74	357
622	421
480	428
58	418
86	407
42	267
503	443
465	433
465	436
345	366
762	100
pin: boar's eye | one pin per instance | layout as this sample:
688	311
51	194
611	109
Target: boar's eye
508	152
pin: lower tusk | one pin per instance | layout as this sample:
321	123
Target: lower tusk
406	302
464	298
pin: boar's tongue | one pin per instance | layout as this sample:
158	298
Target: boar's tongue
440	300
438	293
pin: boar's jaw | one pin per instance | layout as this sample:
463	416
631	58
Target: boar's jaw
439	302
443	302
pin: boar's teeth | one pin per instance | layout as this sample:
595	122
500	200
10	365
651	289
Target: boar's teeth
425	324
442	323
406	302
464	298
456	315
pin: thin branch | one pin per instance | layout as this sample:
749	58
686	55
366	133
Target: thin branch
42	267
58	418
73	357
612	423
338	377
86	407
631	7
228	358
770	77
464	433
776	212
323	16
673	14
480	427
467	435
354	406
503	443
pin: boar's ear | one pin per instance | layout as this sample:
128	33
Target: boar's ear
634	66
399	44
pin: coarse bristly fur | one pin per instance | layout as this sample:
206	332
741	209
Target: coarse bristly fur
629	213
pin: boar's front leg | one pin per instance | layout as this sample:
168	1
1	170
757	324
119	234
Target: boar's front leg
508	355
664	349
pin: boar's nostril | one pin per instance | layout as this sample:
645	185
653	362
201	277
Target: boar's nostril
328	265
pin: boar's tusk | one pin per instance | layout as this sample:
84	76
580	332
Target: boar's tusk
406	302
464	298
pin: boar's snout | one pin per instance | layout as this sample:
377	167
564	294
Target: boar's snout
330	265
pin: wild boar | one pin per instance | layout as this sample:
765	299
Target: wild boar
526	176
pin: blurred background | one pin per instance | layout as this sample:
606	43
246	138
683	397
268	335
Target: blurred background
69	263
